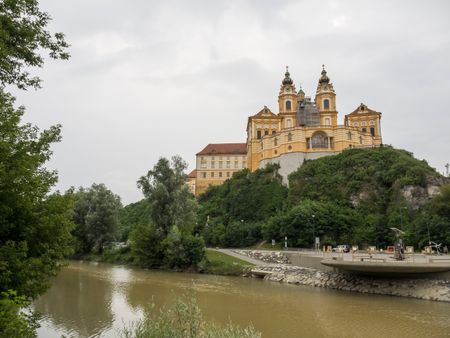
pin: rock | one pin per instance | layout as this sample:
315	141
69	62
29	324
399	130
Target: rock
420	289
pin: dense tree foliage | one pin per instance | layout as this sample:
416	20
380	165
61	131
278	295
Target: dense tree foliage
34	225
131	216
96	215
355	196
231	214
332	223
372	182
167	240
433	221
170	201
370	178
23	37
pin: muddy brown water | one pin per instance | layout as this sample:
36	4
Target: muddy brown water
97	300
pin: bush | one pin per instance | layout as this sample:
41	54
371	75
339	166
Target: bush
183	320
14	318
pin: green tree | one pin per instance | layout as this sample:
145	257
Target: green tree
132	215
147	247
96	215
167	240
34	224
23	37
166	190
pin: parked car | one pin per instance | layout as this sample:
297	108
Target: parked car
342	248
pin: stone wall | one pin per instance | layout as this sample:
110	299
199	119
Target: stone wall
290	162
275	257
437	290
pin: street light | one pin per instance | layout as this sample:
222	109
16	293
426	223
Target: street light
314	231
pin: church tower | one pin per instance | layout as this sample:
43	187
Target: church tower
287	101
326	100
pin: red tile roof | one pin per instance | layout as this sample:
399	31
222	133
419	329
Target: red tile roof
224	148
193	174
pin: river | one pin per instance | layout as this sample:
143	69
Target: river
95	300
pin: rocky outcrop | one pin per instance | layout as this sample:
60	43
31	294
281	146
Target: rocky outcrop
273	257
437	290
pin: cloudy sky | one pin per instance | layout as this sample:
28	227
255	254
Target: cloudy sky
156	78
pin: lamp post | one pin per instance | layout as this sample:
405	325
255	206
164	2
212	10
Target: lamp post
314	230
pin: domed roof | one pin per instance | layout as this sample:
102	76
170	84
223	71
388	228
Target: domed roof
324	78
287	78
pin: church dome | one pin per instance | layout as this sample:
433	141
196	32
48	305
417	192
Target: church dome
324	78
287	78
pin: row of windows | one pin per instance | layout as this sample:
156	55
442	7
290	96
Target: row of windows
202	158
221	165
363	123
326	104
212	174
266	132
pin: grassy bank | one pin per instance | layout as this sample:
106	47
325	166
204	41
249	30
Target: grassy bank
215	262
218	263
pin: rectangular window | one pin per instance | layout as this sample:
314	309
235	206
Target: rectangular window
228	164
372	131
258	134
364	130
203	175
244	164
220	174
213	164
228	174
212	173
235	164
220	164
203	165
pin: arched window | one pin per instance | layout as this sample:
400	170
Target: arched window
289	137
319	140
326	104
288	105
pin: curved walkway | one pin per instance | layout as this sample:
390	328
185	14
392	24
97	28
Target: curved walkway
230	252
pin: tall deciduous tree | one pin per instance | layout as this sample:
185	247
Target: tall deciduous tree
96	215
34	226
167	240
165	188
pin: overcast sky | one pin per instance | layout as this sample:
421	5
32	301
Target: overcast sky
156	78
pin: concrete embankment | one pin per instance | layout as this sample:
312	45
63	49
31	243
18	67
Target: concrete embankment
428	289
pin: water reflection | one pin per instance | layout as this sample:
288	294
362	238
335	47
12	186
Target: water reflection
79	301
86	300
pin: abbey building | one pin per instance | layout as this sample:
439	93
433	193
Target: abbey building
302	129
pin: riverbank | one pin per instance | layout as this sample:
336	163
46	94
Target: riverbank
215	262
272	270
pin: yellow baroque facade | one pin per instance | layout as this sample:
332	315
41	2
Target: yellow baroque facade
302	129
305	129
